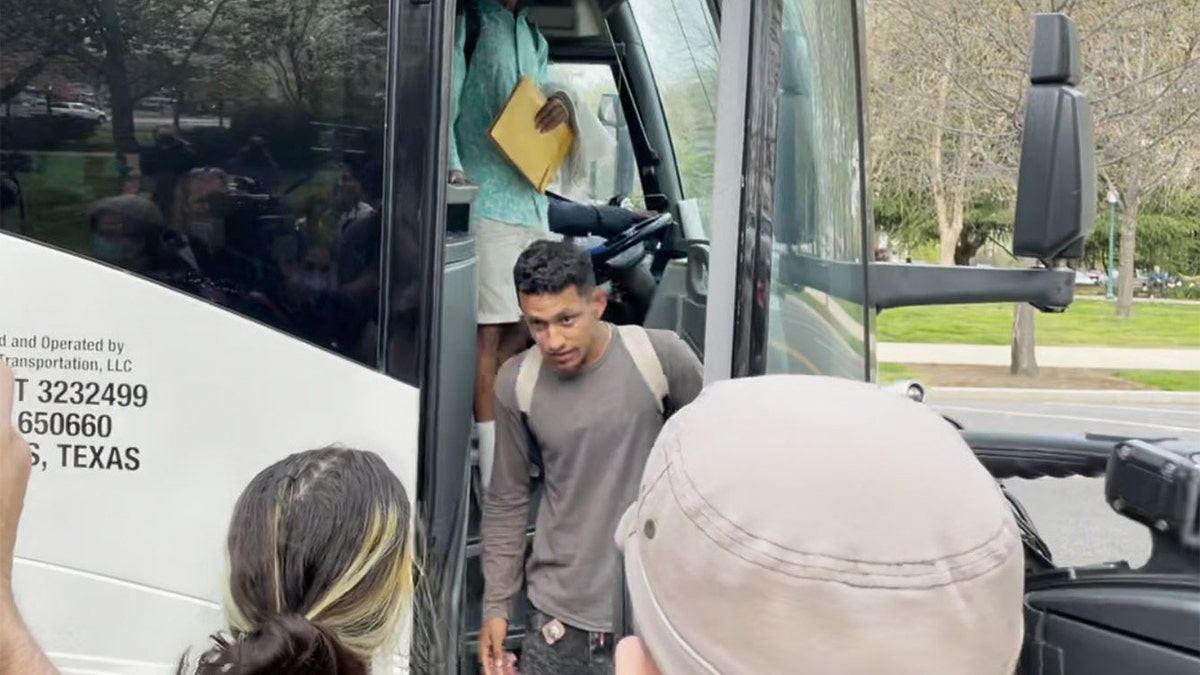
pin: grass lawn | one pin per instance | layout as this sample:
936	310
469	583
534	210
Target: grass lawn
895	372
1165	380
63	185
1084	323
1048	378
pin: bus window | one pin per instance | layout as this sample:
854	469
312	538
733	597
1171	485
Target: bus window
613	172
249	178
681	43
817	211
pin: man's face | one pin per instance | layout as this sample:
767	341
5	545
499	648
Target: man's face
117	244
164	137
201	191
350	191
564	325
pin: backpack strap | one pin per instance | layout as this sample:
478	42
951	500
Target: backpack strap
527	376
637	342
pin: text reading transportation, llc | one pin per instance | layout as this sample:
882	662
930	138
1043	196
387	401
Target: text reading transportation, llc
68	419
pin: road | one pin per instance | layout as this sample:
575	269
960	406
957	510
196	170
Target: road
1071	513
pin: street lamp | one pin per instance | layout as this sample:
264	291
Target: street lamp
1113	198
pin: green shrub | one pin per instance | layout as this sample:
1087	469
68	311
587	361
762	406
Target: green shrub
1188	292
44	132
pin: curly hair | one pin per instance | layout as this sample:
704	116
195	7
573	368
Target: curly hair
551	267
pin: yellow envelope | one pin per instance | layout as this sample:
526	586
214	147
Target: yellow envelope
536	155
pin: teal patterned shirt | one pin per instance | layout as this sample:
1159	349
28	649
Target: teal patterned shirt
508	48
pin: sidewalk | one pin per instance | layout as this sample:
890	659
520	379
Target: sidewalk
1110	358
1186	400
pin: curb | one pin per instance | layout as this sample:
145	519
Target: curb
1138	396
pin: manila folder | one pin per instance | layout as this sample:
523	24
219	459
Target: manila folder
536	155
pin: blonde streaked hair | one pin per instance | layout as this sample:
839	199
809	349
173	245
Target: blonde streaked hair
320	567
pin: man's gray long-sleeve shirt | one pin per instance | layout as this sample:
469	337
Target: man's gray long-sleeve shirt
595	430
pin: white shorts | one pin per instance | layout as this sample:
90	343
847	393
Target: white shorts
499	245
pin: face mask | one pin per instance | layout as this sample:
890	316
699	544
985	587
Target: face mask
208	231
109	251
316	282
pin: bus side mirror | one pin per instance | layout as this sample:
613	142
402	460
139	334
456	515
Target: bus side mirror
1056	187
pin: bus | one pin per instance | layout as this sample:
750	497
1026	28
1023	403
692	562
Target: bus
164	359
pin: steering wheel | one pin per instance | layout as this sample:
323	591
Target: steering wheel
636	235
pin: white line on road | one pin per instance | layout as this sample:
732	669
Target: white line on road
1140	409
992	411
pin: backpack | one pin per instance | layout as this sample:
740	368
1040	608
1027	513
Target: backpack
637	343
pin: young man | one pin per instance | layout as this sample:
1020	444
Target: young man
509	212
592	419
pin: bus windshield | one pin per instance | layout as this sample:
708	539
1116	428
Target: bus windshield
681	43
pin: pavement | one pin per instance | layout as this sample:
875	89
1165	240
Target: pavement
1109	358
1071	513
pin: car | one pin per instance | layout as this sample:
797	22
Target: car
79	110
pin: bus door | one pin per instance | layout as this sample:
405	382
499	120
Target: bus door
646	70
790	172
198	292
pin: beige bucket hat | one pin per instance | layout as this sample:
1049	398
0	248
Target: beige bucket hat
793	524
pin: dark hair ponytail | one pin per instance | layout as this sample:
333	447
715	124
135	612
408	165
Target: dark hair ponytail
283	645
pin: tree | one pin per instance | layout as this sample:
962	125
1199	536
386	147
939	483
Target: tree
137	46
1024	353
1142	64
947	89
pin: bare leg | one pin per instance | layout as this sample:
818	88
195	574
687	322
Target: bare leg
486	364
513	338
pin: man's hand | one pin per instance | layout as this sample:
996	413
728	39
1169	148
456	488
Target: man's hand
15	466
552	115
633	659
491	646
639	216
458	178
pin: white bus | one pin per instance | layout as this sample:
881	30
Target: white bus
158	375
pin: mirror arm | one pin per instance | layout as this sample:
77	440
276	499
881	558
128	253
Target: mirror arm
906	285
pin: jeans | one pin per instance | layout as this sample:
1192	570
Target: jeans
578	652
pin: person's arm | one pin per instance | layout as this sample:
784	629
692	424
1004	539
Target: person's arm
19	653
506	504
459	76
685	374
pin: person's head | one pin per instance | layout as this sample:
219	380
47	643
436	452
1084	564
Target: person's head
799	524
165	137
561	303
360	182
126	230
316	267
320	567
196	193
